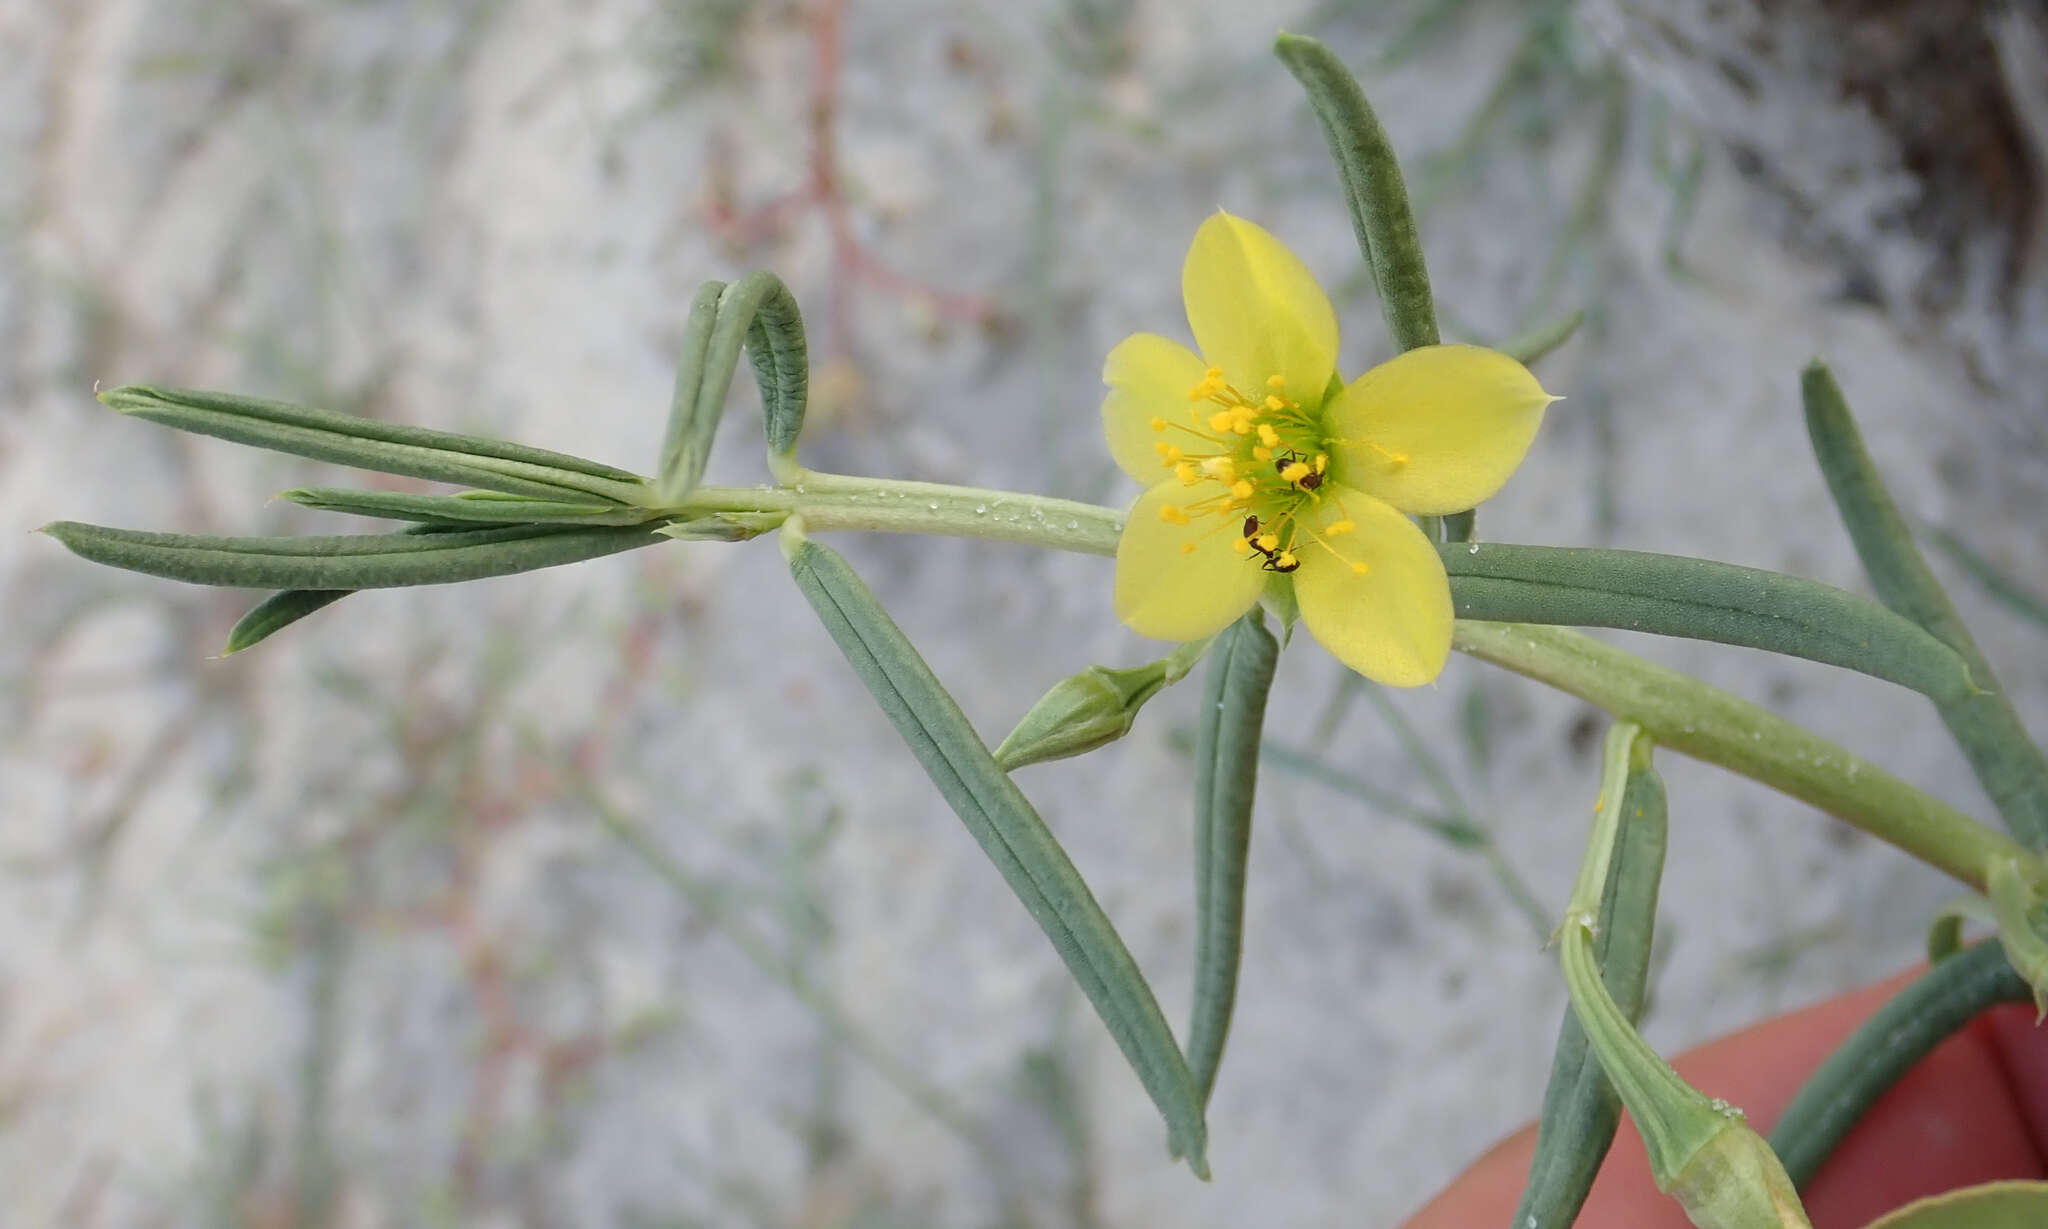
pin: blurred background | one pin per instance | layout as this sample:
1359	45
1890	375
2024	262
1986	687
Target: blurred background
603	896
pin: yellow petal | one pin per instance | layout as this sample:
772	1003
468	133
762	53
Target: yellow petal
1392	623
1438	429
1169	593
1257	311
1148	377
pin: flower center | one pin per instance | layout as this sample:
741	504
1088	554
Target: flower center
1259	468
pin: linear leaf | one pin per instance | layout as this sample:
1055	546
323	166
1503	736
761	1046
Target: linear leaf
369	443
1887	1045
1380	213
1227	743
1702	600
1532	344
349	561
482	507
691	421
275	613
2005	757
1580	1107
759	313
1009	831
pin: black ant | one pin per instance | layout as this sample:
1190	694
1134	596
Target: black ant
1308	481
1272	563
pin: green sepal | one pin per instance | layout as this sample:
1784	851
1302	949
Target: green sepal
468	507
1380	213
349	561
1700	599
1092	709
373	444
1228	734
2006	759
275	613
1003	822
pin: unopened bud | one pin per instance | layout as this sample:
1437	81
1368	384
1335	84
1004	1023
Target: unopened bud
1088	710
1735	1181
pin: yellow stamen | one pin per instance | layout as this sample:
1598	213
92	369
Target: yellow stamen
1222	469
1276	382
1274	403
1268	436
1341	527
1262	454
1187	473
1294	472
1173	514
1359	569
1241	489
1158	423
1322	461
1269	541
1221	420
1286	561
1239	546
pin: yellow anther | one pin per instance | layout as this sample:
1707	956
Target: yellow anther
1269	541
1276	382
1221	420
1341	527
1240	547
1322	461
1241	489
1222	469
1262	454
1213	375
1158	423
1359	569
1187	473
1274	403
1242	426
1163	448
1294	472
1268	436
1173	514
1286	561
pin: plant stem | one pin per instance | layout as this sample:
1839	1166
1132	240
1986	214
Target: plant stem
880	505
1707	723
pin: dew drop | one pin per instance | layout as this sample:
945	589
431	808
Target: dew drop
1472	548
1073	524
981	509
933	506
799	488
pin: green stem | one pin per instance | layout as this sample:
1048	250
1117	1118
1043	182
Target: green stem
1707	723
881	505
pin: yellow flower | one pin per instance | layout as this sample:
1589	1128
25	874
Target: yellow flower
1252	470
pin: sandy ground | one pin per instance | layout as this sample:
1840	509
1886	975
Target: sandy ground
335	932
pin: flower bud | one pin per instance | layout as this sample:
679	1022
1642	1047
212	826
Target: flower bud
1734	1181
1088	710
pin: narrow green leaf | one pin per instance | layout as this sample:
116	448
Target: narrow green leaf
1699	599
1009	831
369	443
1380	213
2007	761
1580	1107
692	422
481	507
2010	593
275	613
1890	1043
758	312
1528	346
349	561
1227	739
